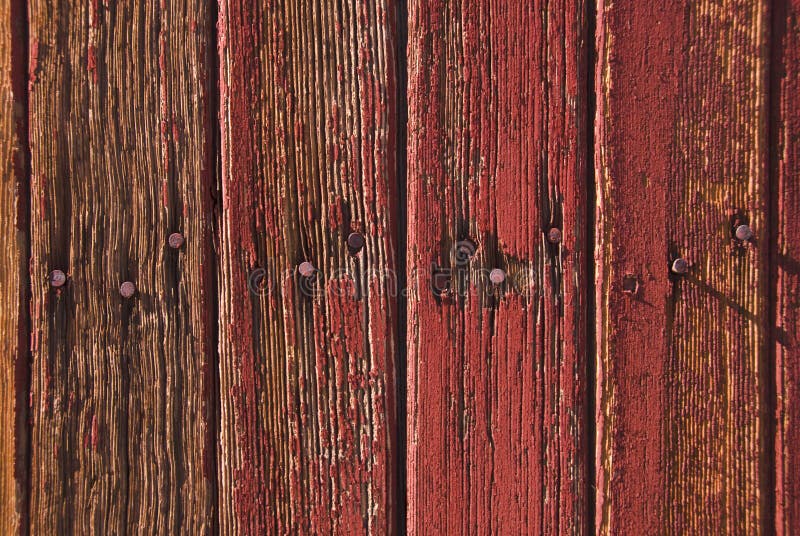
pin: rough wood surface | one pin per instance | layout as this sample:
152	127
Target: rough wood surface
785	151
307	103
233	395
497	374
680	160
119	123
14	356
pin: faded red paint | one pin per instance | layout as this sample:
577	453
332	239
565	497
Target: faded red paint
497	375
90	435
208	268
34	63
91	62
239	158
677	139
95	14
785	144
95	435
308	376
641	350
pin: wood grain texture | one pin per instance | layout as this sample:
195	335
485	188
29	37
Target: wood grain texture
14	239
785	151
307	425
680	160
121	157
497	374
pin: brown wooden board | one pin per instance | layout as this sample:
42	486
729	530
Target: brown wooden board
680	159
307	382
14	355
121	157
497	387
785	151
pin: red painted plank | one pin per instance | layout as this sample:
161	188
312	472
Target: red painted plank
680	161
307	425
496	373
785	84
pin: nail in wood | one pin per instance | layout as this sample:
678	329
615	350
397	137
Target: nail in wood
680	266
306	269
355	241
57	278
497	276
175	240
127	289
743	233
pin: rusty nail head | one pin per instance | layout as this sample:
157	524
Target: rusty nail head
57	278
497	276
175	240
680	266
743	232
464	251
466	248
306	269
554	235
355	241
127	289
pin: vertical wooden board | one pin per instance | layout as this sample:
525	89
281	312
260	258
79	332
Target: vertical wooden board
120	124
14	360
497	373
680	162
785	151
307	104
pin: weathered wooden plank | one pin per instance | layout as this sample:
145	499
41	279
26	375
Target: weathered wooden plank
680	162
785	152
14	239
307	106
497	374
121	157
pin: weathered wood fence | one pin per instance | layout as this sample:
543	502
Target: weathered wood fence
451	267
